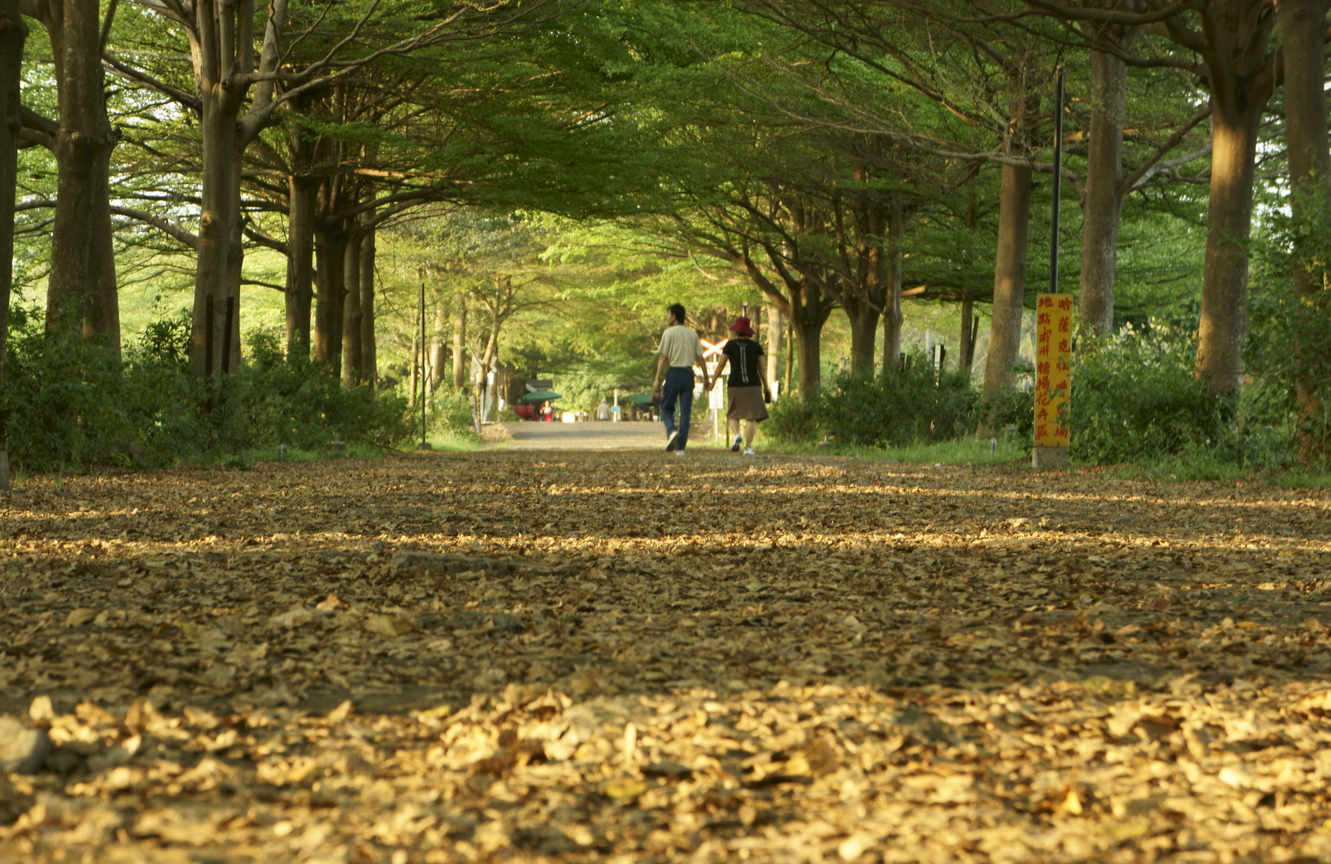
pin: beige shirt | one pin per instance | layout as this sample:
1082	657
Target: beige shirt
680	346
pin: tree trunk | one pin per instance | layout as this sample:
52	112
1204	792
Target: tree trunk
773	316
459	339
863	334
351	320
966	342
865	295
1102	205
369	350
13	33
966	356
808	331
892	317
1301	24
1240	72
1224	314
81	287
300	264
789	372
484	364
807	314
439	348
415	370
1014	210
216	256
330	247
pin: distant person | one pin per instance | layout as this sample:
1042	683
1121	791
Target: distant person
547	413
603	411
680	350
616	414
749	393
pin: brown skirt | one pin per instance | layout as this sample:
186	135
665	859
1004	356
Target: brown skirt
746	403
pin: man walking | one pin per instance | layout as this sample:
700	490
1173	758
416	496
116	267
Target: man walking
678	353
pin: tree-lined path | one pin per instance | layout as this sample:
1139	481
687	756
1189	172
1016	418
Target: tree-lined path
584	436
573	655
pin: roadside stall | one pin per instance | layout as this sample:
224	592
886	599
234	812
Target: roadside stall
644	406
530	406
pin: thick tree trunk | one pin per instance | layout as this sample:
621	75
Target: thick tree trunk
864	298
83	262
1102	205
1302	23
13	33
808	331
863	320
369	349
892	317
1224	314
1014	210
460	339
300	264
351	319
1241	75
330	248
81	287
219	225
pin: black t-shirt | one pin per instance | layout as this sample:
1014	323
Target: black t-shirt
743	354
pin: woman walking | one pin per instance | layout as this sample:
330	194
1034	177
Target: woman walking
749	393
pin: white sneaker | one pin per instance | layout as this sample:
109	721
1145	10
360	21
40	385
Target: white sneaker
670	441
748	451
734	447
679	452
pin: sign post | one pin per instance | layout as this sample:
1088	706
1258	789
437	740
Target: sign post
1053	331
716	400
1053	378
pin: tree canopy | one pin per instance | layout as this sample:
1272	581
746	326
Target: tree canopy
857	169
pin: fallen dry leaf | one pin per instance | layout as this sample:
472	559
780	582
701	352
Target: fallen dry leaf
530	656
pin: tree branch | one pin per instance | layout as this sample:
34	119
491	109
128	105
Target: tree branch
167	226
1144	171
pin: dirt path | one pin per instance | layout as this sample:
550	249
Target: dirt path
523	655
584	436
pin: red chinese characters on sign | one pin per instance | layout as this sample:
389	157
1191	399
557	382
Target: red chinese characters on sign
1053	367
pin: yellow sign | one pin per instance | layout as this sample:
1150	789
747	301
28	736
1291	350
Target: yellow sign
1053	368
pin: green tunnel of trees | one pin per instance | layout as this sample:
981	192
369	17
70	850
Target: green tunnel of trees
588	161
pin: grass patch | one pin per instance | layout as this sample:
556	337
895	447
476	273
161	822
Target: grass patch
1193	469
454	443
1300	478
966	451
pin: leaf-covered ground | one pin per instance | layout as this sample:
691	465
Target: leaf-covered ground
628	657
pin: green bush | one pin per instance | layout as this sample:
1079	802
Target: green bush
450	412
912	406
70	404
1281	320
296	403
1011	412
1134	399
790	420
63	401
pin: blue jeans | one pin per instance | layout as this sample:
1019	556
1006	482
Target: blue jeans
678	385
